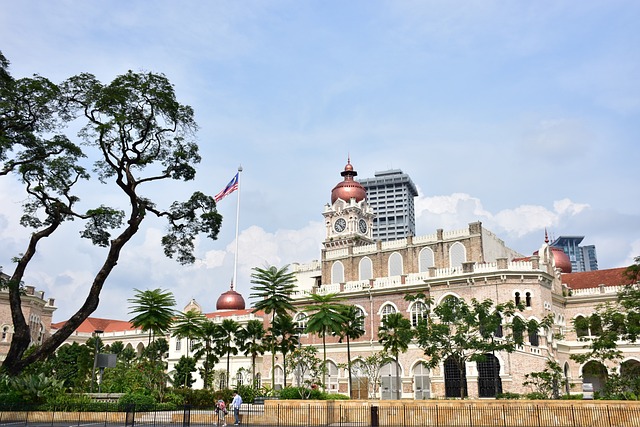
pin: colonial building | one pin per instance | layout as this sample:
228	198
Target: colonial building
469	263
37	312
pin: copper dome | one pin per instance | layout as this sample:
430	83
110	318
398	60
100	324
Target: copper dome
561	260
349	188
230	300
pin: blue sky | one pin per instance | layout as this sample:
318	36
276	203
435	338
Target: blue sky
521	114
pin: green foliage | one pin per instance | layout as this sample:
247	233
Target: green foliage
248	393
140	400
536	396
508	396
72	364
298	393
549	382
272	290
153	310
183	369
36	388
305	363
575	396
141	135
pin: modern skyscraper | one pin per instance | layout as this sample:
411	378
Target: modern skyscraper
583	258
390	193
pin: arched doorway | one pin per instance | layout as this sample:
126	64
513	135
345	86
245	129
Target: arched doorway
595	373
455	379
489	382
360	381
390	383
421	382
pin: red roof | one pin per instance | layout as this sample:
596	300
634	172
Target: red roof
95	324
593	279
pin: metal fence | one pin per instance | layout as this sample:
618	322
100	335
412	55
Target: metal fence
335	415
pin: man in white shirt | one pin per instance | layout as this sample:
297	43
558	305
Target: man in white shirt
235	405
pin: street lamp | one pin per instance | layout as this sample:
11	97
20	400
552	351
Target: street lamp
96	334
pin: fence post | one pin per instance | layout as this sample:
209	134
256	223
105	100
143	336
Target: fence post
130	414
375	420
186	416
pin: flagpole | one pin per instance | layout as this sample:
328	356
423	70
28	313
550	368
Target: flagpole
235	262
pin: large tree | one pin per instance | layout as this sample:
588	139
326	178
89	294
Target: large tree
137	134
326	317
205	349
395	335
461	332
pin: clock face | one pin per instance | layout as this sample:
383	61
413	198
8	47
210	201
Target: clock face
362	226
340	225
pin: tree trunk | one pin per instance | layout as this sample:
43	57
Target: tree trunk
14	363
349	367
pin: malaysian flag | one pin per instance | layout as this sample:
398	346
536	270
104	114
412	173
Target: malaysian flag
230	188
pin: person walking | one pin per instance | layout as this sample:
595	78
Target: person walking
221	412
235	405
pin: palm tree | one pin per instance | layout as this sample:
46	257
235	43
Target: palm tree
225	343
352	328
251	342
205	348
273	291
395	334
286	332
188	325
326	317
154	311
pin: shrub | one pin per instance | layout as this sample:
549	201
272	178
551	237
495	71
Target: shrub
536	396
36	388
335	396
508	395
578	396
139	400
247	393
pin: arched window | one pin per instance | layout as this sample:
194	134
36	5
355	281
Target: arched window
301	319
518	325
498	333
365	269
5	333
395	264
337	272
588	326
457	255
527	299
517	298
425	259
178	344
418	312
279	378
386	310
421	382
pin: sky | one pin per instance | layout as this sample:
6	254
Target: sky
523	115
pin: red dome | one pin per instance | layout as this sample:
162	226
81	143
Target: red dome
349	188
561	260
230	300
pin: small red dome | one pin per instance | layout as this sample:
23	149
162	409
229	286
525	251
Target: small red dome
230	300
349	188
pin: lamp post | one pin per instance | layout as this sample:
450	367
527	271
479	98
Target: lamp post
96	334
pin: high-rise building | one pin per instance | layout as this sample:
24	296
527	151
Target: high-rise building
390	193
583	258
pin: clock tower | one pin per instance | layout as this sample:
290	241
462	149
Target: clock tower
349	218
